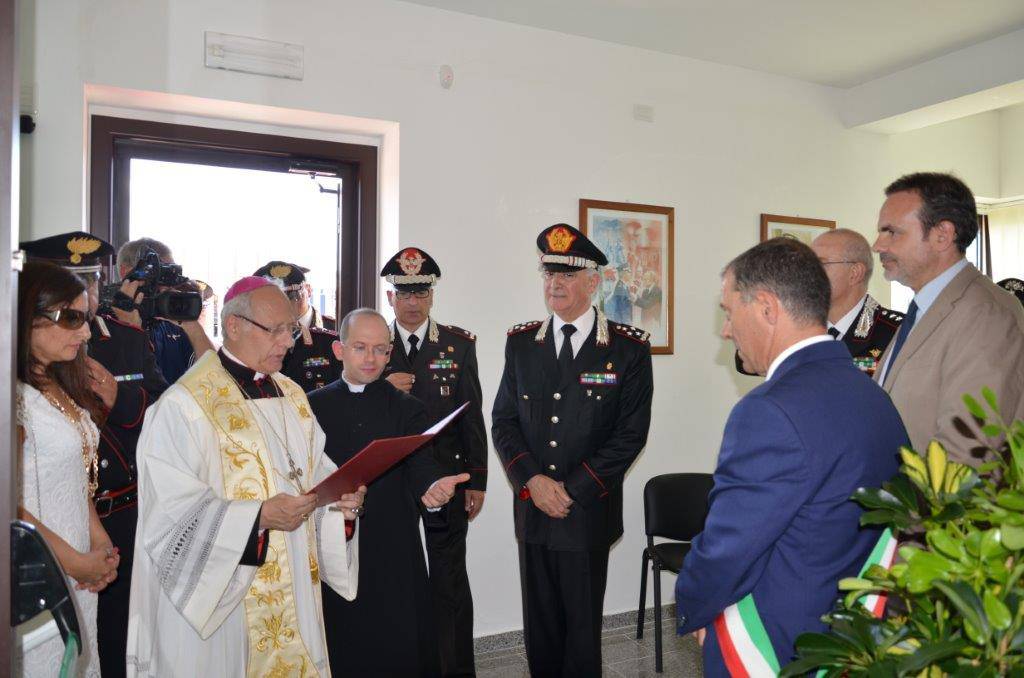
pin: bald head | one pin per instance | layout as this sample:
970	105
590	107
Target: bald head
846	256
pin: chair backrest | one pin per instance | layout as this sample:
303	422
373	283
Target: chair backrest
676	504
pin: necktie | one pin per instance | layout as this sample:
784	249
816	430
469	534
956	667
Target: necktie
413	348
565	353
833	332
905	327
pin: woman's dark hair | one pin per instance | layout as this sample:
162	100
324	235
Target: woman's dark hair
43	286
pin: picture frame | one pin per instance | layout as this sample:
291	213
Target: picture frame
804	230
637	284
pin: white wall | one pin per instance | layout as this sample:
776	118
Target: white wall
1011	151
535	121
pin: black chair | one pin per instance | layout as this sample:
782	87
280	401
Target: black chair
675	506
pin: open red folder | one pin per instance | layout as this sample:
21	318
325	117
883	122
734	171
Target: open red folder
373	460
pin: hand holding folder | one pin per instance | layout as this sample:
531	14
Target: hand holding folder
374	460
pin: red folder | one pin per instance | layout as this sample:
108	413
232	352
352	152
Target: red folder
373	460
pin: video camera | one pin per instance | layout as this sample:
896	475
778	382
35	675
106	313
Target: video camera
172	304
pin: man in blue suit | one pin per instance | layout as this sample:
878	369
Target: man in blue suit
782	530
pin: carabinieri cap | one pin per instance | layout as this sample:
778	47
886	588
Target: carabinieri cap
76	251
411	269
564	248
290	275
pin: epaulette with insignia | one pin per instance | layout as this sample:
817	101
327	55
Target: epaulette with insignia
323	330
113	319
524	327
458	331
890	314
630	332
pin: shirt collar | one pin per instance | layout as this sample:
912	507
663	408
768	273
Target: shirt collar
583	324
803	343
844	323
256	376
927	295
420	332
353	388
307	318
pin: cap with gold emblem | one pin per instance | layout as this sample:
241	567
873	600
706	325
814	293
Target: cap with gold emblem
76	251
564	248
290	275
411	269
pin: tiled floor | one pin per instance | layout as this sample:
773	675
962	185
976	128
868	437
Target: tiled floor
624	656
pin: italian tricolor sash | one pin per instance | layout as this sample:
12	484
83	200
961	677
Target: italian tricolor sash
275	646
743	640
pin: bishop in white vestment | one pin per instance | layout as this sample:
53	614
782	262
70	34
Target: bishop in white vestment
230	551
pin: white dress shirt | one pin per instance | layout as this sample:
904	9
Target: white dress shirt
584	324
420	332
803	343
844	324
307	318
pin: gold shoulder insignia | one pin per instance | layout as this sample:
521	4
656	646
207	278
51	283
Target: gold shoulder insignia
635	333
80	246
524	327
458	331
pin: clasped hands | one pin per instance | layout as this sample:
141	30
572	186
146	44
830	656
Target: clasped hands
96	569
549	495
287	512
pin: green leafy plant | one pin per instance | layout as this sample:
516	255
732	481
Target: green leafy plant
956	592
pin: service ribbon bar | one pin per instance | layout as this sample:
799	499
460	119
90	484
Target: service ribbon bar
599	378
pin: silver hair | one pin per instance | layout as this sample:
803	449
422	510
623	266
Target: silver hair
346	323
132	251
855	247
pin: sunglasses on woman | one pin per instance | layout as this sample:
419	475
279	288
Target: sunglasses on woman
65	318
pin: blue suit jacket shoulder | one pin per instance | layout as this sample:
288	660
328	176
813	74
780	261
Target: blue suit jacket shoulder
781	525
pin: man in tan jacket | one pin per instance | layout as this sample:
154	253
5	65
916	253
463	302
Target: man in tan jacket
961	332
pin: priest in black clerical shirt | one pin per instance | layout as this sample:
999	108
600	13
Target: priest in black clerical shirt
387	629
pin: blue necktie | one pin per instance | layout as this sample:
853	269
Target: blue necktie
905	327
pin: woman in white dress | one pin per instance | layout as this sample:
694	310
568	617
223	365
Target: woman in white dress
56	408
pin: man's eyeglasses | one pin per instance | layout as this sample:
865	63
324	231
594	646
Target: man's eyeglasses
65	318
293	329
378	351
294	295
561	275
419	294
841	261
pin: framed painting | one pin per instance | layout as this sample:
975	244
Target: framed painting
637	284
804	230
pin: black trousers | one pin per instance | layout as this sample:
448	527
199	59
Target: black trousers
563	601
112	611
449	588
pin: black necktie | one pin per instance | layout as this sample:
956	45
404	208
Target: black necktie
565	353
413	349
905	327
833	332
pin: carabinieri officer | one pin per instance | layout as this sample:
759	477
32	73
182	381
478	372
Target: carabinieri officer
437	364
571	415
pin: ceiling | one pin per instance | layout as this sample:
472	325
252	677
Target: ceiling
830	42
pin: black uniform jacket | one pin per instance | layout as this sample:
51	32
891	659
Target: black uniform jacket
584	429
447	376
311	363
125	351
866	338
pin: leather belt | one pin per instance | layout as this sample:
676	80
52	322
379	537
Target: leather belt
112	501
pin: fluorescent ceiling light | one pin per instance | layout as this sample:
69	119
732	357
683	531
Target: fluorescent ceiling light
253	55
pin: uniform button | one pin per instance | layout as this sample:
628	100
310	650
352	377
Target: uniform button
551	467
554	420
526	397
104	463
456	456
558	396
553	443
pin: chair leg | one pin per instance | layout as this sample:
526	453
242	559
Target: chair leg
657	616
643	597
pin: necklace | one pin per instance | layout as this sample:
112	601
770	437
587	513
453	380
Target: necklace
77	419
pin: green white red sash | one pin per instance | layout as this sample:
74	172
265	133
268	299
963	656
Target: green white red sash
746	648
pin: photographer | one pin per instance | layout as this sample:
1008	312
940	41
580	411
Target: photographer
177	343
124	376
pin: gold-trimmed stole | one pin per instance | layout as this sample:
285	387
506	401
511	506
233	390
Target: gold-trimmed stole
276	648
